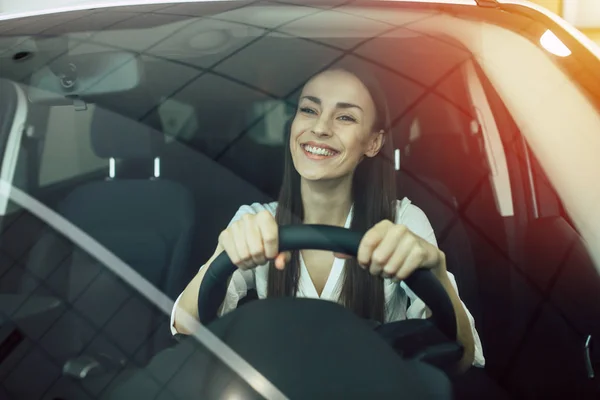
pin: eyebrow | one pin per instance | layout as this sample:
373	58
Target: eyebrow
338	105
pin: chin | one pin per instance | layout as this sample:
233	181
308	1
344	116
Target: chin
311	172
313	175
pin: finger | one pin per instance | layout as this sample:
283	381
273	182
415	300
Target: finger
413	261
269	232
368	244
394	236
226	241
282	260
254	240
241	247
404	246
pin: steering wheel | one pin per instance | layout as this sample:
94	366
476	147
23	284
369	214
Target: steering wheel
340	240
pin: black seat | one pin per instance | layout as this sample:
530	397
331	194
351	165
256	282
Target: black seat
439	205
442	209
219	184
261	143
148	223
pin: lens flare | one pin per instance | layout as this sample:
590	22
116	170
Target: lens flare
553	44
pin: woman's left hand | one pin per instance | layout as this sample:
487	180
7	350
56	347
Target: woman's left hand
393	251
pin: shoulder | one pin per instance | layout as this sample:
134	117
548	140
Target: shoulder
406	211
254	208
414	219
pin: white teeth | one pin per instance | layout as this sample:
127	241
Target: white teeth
318	151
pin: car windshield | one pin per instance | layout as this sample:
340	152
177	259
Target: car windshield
132	135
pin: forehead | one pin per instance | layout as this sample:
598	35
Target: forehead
339	87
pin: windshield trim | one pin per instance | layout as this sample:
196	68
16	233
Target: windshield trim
132	3
586	42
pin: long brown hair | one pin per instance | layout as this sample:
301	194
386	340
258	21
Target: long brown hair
373	194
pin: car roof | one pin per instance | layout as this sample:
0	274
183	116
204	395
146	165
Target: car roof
142	3
581	38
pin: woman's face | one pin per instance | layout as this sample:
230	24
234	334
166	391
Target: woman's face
333	127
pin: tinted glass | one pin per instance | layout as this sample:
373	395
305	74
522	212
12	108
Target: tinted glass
120	193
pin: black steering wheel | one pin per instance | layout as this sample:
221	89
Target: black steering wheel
340	240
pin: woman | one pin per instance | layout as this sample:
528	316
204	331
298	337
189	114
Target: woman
338	172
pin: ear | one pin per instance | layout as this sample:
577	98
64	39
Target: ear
375	144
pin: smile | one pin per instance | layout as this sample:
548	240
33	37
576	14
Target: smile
318	152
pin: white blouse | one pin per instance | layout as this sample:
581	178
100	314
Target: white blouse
397	295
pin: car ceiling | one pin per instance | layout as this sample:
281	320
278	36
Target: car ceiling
237	56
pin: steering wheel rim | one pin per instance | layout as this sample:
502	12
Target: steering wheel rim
331	238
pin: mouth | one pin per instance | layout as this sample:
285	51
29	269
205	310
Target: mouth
317	152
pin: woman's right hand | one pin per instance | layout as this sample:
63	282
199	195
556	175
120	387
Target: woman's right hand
253	241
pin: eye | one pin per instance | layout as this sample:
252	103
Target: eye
307	110
347	118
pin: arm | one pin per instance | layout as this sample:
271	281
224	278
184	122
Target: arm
250	240
466	333
395	250
463	325
416	220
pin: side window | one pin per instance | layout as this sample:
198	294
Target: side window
553	286
493	146
67	151
545	199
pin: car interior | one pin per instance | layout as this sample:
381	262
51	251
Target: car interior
154	171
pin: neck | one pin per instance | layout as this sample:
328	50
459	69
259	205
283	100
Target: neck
326	202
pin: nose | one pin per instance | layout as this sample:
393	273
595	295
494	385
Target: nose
322	127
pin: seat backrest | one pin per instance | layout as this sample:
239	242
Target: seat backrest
262	131
441	207
438	204
147	221
144	220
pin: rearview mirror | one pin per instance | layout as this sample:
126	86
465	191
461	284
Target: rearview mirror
85	75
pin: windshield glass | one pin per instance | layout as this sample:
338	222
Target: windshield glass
132	137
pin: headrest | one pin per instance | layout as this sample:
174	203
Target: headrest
116	136
433	115
270	130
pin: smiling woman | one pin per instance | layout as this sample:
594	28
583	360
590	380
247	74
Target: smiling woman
338	171
328	126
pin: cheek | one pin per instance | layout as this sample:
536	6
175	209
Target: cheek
356	144
297	129
294	133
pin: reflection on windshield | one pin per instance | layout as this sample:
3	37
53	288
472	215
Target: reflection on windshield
181	111
123	330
